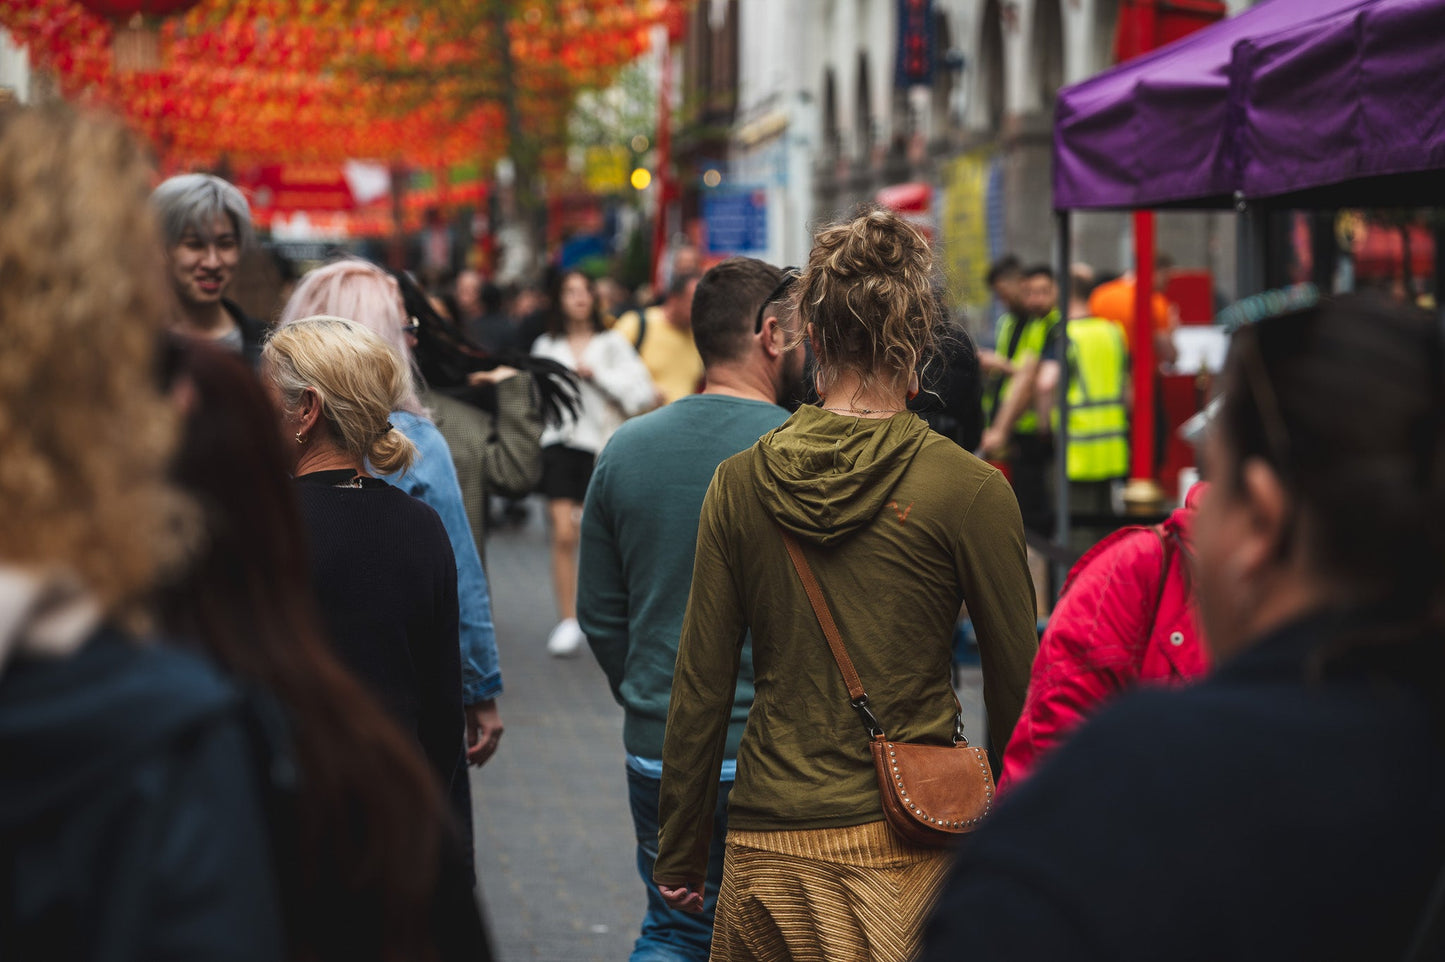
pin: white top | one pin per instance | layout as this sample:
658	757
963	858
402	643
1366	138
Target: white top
619	388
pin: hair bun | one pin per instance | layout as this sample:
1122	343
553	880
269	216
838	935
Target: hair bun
868	291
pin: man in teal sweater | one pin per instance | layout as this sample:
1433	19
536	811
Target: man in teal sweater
639	531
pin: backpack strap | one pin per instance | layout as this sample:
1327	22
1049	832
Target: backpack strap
641	329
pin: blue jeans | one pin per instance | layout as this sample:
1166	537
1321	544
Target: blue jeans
668	934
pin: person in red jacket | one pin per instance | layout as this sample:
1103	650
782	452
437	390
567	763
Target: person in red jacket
1125	617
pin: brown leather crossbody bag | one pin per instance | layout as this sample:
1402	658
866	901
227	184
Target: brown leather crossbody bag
931	793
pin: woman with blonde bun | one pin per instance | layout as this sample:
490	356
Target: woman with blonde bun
900	526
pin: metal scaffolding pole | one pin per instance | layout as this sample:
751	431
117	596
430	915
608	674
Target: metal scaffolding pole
1062	256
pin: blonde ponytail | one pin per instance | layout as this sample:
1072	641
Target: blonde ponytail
392	452
358	377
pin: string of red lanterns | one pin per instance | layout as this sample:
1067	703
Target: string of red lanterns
258	81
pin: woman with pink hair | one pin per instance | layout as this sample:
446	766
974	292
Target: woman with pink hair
364	293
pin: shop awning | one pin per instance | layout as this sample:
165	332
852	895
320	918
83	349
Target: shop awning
1299	102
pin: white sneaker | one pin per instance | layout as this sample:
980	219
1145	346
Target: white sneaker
566	639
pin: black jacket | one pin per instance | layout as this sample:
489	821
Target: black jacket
131	821
1288	807
253	332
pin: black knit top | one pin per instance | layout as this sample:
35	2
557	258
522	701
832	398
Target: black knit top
386	581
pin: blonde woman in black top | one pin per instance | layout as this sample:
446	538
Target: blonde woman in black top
381	562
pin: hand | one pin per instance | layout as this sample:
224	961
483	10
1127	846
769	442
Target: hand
484	731
684	899
496	375
992	362
993	443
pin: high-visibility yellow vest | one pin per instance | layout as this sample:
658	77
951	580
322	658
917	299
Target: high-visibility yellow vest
1098	419
1030	341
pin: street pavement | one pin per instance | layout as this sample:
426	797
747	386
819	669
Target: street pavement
554	841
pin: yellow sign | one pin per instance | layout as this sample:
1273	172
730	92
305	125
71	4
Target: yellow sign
964	220
607	169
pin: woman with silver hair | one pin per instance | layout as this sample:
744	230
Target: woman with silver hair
206	224
364	293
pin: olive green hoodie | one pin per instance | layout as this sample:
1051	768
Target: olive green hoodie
900	526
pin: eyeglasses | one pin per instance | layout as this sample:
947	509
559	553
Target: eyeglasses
411	326
790	277
1271	415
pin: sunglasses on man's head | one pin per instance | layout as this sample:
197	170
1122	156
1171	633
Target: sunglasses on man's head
790	275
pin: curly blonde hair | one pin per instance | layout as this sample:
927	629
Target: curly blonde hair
86	434
359	378
867	291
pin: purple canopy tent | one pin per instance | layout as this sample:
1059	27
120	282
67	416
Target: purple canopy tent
1326	102
1290	104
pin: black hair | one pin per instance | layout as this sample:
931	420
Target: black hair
1039	270
556	318
1005	266
1345	401
678	286
491	298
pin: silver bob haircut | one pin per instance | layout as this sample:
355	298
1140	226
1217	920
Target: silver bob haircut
192	201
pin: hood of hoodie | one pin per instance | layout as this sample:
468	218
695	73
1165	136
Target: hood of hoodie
824	476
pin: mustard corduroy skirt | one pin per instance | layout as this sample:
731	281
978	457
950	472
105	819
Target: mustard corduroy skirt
855	894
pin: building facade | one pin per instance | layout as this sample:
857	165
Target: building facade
824	120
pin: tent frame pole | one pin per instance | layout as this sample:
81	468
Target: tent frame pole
1062	255
1251	248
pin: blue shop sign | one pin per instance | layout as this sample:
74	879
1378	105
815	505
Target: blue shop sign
737	221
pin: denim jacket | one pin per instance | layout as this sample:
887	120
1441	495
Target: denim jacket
433	479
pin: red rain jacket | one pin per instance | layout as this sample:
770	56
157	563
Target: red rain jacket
1125	617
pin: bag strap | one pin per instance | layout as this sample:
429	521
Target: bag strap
641	329
825	616
857	697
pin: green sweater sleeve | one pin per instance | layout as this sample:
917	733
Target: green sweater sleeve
601	584
993	572
708	655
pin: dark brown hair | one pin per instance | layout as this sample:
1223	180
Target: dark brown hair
868	293
727	298
359	875
1345	400
557	317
